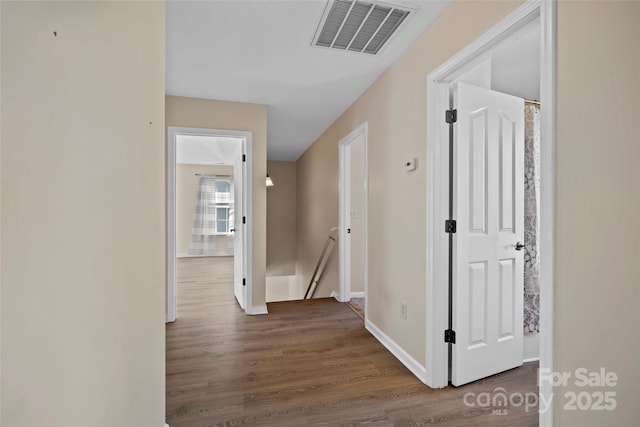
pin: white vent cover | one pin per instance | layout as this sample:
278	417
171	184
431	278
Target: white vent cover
358	26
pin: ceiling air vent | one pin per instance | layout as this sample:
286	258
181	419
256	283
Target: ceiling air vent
359	26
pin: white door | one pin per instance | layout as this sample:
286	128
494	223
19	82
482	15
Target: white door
239	287
356	217
489	210
352	178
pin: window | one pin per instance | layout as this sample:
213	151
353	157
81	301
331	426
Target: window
222	186
219	195
223	192
224	219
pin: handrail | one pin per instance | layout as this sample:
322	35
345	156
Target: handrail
322	262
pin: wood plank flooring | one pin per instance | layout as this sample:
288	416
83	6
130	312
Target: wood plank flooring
357	305
305	363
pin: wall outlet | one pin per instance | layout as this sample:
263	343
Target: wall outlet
403	310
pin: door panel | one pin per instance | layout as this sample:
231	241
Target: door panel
507	295
478	171
477	304
507	172
489	210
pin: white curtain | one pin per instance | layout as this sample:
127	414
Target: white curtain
532	218
213	217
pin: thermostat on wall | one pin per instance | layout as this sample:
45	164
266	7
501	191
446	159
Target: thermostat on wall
410	165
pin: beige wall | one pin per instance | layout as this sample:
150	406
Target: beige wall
223	115
317	210
597	201
281	219
395	109
597	293
186	193
83	219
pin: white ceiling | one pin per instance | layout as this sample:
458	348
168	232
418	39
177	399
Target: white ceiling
206	150
516	65
260	51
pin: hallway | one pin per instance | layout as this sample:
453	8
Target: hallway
305	363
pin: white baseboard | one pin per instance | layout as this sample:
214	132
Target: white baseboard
257	310
357	294
531	359
335	295
412	364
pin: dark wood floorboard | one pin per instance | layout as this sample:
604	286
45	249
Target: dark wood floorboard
305	363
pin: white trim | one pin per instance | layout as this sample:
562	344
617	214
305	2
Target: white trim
344	183
437	242
405	358
247	199
171	227
257	310
344	248
478	50
172	131
531	359
437	158
360	294
335	295
366	220
548	16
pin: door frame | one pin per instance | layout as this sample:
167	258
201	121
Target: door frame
438	83
344	184
172	132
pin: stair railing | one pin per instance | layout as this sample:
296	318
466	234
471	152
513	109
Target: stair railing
322	262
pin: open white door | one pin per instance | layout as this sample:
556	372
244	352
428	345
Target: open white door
489	211
239	288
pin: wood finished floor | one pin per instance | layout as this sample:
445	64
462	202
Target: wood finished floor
305	363
357	305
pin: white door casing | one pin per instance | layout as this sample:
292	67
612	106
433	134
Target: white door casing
489	210
348	184
239	282
246	191
437	194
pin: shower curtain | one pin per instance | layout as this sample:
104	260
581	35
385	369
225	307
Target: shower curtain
207	239
531	218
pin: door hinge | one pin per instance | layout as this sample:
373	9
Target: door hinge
451	116
244	157
244	282
450	336
450	226
244	219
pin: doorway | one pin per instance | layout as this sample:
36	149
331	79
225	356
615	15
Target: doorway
353	218
532	14
208	188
